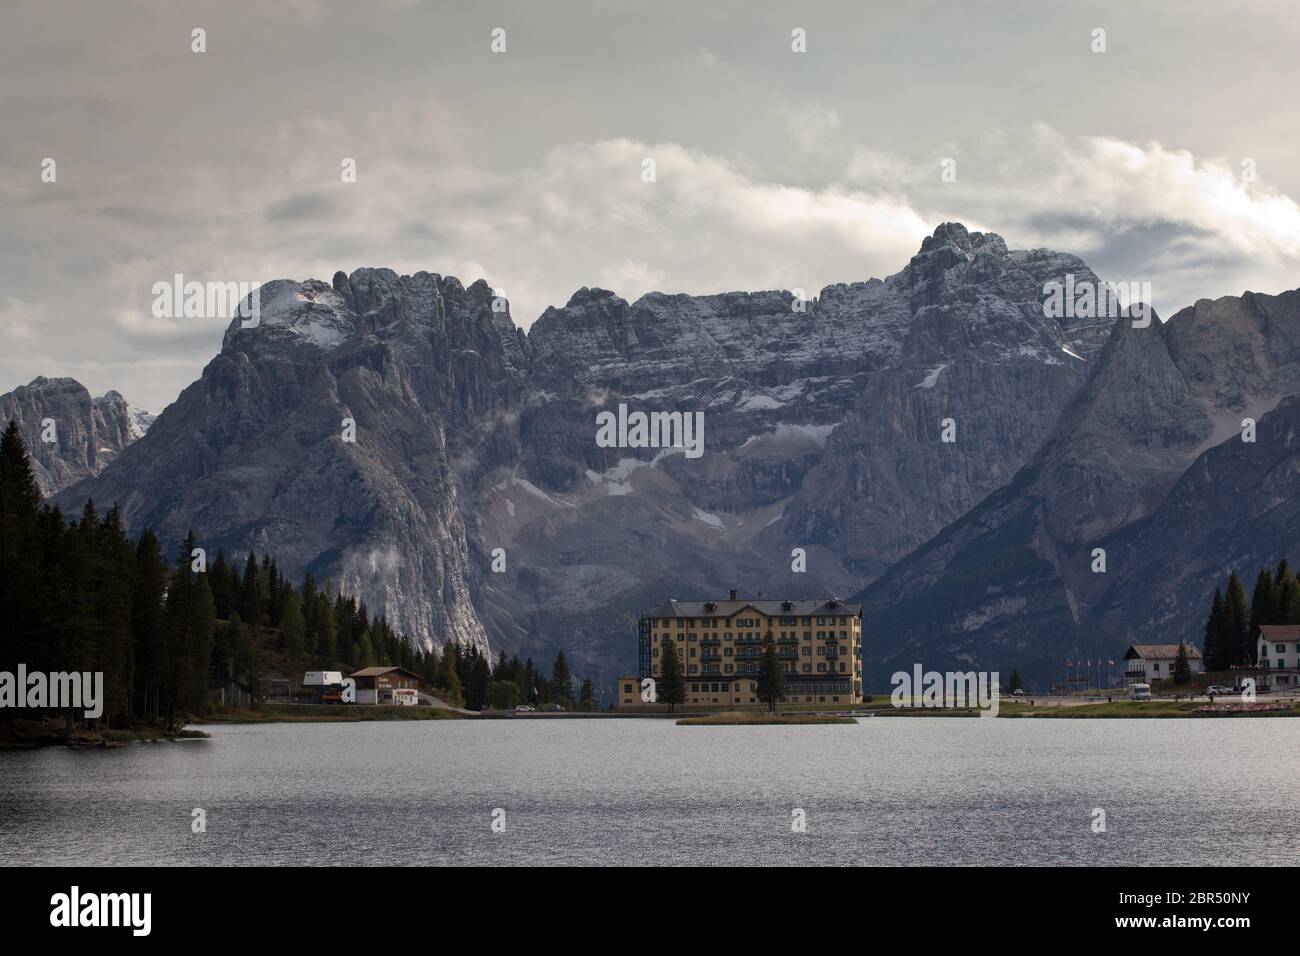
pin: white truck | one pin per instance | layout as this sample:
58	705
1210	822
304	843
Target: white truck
1139	691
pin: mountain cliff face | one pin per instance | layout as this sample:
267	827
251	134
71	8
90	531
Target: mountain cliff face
474	440
90	432
1148	463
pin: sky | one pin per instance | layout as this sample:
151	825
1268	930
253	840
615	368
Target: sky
1169	157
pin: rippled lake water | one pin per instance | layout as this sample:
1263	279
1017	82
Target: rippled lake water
892	791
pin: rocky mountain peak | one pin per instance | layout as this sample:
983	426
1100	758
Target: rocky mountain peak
89	432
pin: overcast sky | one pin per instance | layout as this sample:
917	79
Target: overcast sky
774	169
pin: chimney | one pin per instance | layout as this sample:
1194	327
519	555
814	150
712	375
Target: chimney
733	594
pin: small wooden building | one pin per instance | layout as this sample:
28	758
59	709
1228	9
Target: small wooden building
387	685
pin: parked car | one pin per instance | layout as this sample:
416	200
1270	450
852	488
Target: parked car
1139	692
553	708
1219	690
523	709
1018	692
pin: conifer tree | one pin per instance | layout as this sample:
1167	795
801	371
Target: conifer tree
293	629
561	678
1214	651
20	555
670	686
149	626
250	597
1263	610
1236	636
1182	669
771	676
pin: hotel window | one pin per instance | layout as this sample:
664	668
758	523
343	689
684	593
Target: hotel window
727	668
843	667
807	651
807	668
726	651
681	623
695	688
692	652
821	667
726	636
693	668
1281	648
656	652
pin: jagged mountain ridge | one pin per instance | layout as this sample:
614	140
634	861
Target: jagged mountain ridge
1148	464
474	436
90	432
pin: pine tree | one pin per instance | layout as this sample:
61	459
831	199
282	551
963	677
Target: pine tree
203	626
365	651
450	680
113	617
1288	600
20	556
1182	669
670	688
250	597
561	679
148	626
1263	610
1237	635
771	676
221	578
1216	656
1015	683
293	630
587	696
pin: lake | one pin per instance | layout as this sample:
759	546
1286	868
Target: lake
892	791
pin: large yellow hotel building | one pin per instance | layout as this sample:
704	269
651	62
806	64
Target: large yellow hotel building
720	645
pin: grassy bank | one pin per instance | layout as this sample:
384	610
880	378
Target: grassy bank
1155	708
50	733
327	713
745	718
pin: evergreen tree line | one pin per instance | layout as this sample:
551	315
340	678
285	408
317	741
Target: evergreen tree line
80	595
511	682
1231	635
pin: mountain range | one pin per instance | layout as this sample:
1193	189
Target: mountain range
934	443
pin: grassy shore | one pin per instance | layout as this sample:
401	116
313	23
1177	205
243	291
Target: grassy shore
746	718
1155	708
327	713
51	733
1114	709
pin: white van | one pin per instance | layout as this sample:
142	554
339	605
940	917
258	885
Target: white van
1139	691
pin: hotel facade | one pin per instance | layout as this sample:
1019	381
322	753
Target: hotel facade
720	646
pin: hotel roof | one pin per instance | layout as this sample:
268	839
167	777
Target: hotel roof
831	606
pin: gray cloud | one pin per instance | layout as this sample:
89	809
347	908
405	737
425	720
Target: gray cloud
774	169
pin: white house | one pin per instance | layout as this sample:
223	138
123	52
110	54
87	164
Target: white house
1279	654
1144	663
